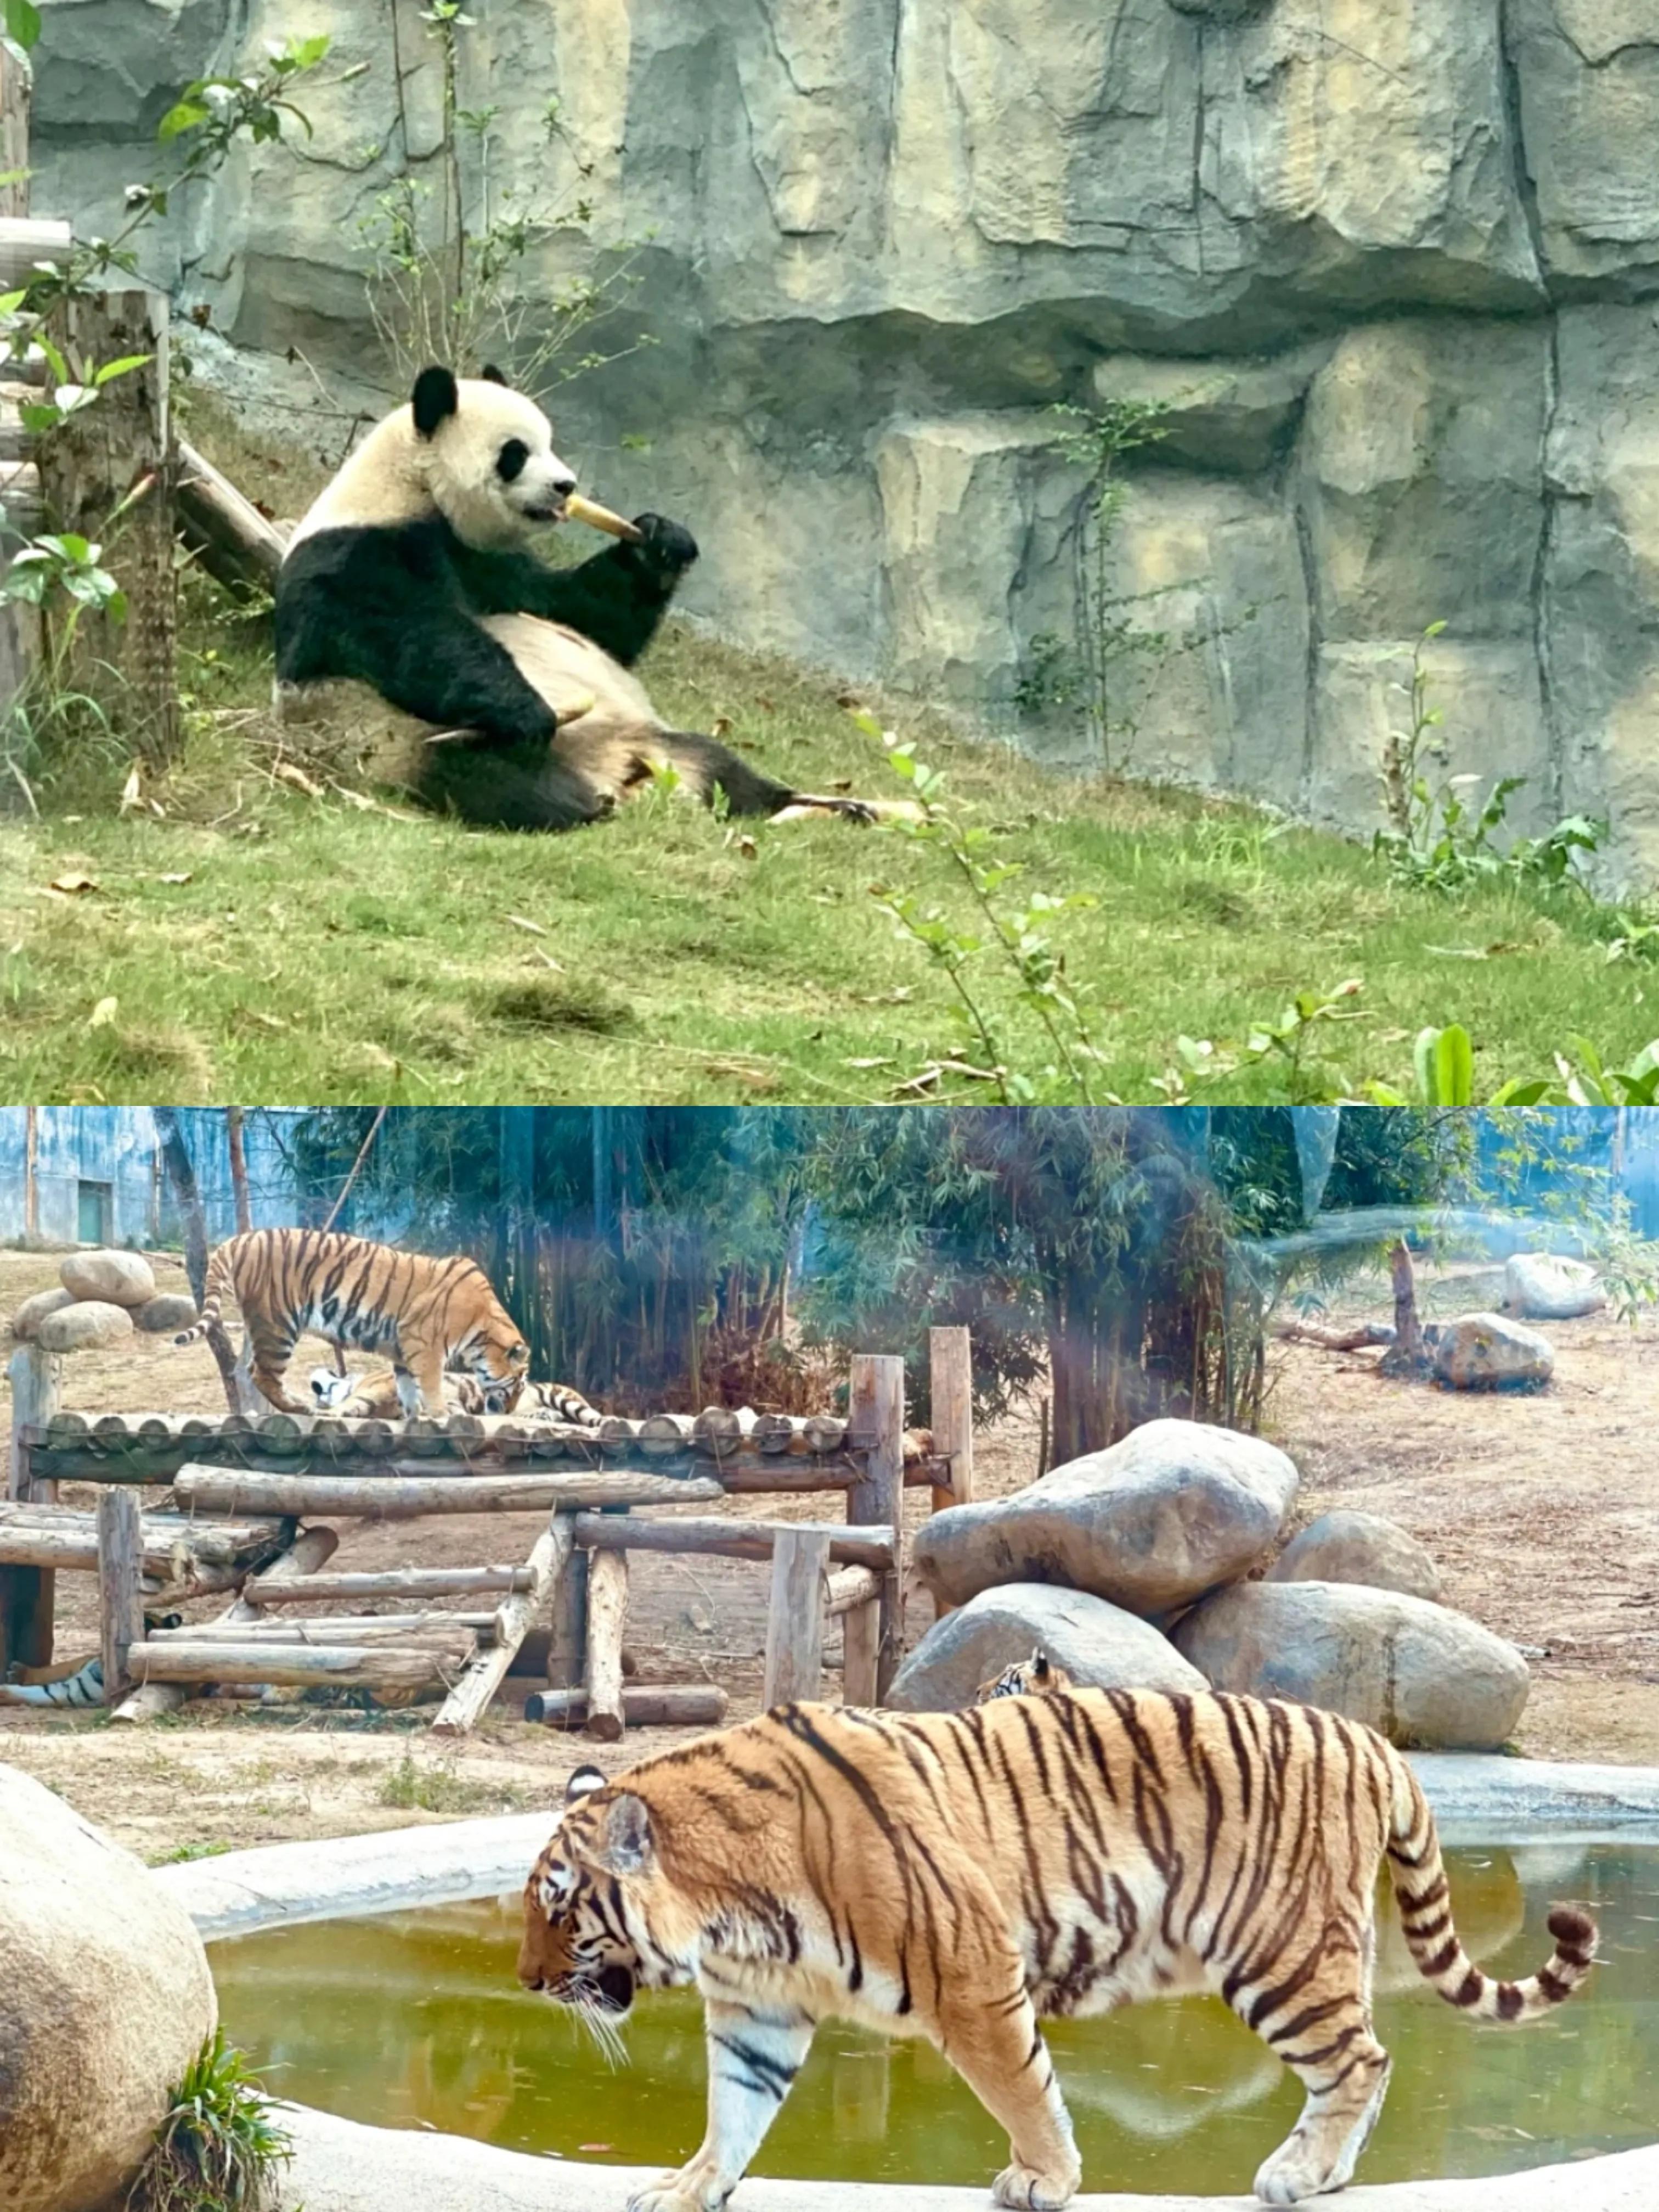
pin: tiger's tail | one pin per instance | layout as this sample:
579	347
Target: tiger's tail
220	1285
85	1688
1419	1875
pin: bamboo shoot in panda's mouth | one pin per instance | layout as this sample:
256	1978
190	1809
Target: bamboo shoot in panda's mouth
578	509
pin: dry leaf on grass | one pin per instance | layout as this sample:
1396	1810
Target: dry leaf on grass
72	883
103	1014
286	772
174	876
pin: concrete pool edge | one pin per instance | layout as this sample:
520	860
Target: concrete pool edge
1475	1797
342	2165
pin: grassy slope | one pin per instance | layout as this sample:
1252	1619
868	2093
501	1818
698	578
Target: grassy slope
316	953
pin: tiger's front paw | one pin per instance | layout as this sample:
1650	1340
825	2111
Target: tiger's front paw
693	2189
1027	2190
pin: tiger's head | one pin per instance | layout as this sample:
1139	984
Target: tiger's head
599	1922
1035	1677
492	1353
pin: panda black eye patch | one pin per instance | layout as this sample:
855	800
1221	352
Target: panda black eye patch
509	462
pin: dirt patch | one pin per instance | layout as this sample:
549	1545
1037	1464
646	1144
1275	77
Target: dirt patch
1543	1512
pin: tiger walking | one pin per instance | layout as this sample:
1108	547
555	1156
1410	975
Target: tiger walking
426	1313
962	1876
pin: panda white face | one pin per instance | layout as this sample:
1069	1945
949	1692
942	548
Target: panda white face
486	454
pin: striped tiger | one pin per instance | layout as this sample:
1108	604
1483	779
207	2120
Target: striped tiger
1035	1677
83	1687
962	1876
375	1397
428	1314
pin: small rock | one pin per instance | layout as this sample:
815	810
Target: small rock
1487	1351
1358	1548
121	1279
26	1322
106	1999
166	1311
1418	1673
1547	1288
1099	1645
1173	1509
83	1326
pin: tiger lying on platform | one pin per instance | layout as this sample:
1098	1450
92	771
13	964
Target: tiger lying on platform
429	1314
375	1398
960	1875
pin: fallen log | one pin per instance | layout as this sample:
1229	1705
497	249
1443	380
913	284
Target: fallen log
393	1582
1357	1338
391	1497
849	1587
670	1704
226	532
459	1631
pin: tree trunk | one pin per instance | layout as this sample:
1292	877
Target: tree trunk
233	1117
181	1176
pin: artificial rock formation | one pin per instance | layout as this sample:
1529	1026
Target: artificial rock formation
1099	1645
105	2001
1346	1547
1391	275
1175	1509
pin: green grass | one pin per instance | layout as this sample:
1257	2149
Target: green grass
421	1784
258	942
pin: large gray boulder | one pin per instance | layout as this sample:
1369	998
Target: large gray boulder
1345	1546
1548	1286
166	1311
1418	1673
1173	1509
26	1322
105	1999
1488	1351
120	1278
86	1326
1100	1646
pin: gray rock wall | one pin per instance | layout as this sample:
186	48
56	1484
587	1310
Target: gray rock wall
1395	269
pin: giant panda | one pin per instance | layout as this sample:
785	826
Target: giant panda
409	574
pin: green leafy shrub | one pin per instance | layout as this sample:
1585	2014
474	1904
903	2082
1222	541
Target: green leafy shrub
220	2146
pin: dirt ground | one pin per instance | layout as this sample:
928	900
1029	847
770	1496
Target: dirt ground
1543	1512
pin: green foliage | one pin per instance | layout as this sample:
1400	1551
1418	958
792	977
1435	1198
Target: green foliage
220	2146
1009	945
1438	838
1085	1244
21	23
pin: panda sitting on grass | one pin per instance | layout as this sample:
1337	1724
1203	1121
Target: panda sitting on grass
409	574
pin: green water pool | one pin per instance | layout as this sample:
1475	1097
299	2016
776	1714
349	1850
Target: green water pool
416	2019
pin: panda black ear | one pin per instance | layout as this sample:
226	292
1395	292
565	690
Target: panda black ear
435	398
491	374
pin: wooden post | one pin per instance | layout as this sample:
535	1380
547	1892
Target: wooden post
567	1646
234	1116
313	1548
794	1623
470	1698
873	1635
16	85
31	1176
116	455
607	1616
1404	1355
27	1594
951	1374
120	1586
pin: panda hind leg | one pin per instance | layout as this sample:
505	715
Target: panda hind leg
706	763
510	787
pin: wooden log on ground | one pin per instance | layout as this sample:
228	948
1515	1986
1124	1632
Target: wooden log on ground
950	1386
394	1582
120	1592
668	1705
795	1619
391	1498
27	1594
360	1666
468	1700
730	1539
59	1537
849	1587
1358	1337
607	1617
873	1636
312	1548
228	534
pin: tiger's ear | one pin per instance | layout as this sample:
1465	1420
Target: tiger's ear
627	1846
1039	1665
582	1780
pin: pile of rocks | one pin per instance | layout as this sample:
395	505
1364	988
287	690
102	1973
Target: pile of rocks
1132	1568
102	1296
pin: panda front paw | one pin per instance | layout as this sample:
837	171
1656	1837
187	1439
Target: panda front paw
665	547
